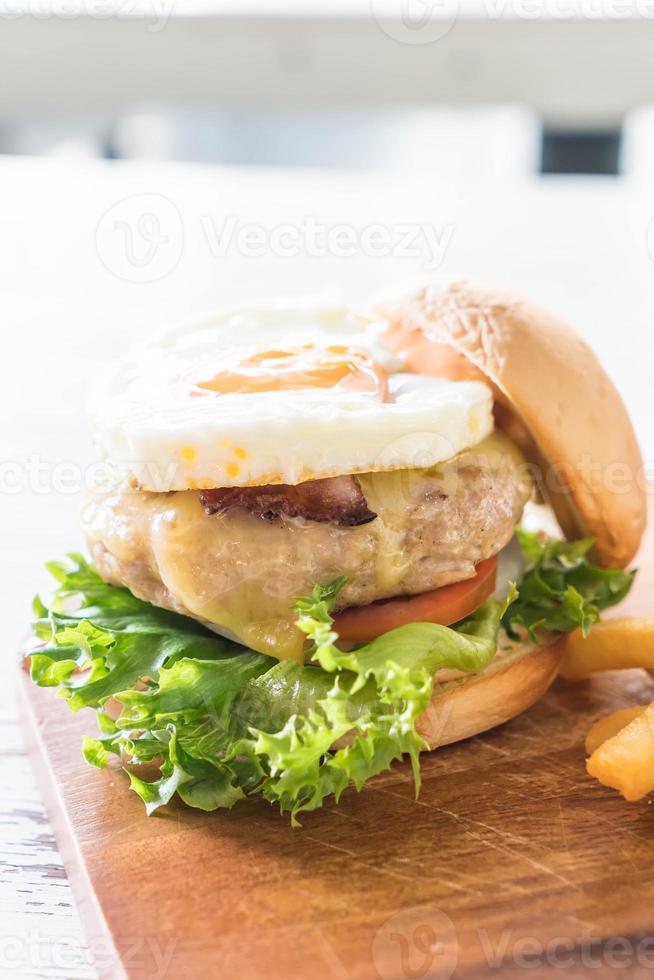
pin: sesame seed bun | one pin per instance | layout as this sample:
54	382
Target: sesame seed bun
552	396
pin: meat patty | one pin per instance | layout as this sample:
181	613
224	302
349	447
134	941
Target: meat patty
240	574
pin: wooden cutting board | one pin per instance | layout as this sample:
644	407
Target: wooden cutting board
512	862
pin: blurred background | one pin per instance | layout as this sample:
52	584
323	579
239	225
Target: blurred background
499	88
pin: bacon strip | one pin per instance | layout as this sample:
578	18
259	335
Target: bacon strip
338	499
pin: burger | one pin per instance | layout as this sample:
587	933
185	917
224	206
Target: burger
326	540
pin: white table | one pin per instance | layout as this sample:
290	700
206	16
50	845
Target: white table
579	245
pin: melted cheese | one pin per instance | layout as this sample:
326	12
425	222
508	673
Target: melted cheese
240	574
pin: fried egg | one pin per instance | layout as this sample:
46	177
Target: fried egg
277	393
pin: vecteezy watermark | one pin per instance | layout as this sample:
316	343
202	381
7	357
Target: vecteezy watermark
40	476
140	238
585	954
422	943
426	21
154	13
43	952
416	943
415	21
569	9
316	239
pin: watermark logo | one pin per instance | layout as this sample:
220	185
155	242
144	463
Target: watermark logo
155	14
416	943
415	21
141	238
569	9
316	239
41	476
44	953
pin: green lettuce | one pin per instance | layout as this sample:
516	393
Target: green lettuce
220	722
561	589
100	640
197	716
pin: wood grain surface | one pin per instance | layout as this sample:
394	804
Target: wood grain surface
511	861
40	932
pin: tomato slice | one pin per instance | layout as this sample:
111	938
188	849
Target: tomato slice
446	605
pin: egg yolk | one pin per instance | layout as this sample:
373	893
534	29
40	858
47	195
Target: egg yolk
338	368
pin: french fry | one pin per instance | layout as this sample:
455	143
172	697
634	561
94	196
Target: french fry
606	728
626	761
611	645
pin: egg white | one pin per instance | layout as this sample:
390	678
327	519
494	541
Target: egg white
160	436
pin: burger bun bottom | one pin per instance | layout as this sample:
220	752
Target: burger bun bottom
518	676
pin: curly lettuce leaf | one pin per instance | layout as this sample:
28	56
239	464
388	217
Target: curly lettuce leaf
221	722
274	734
561	589
101	640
